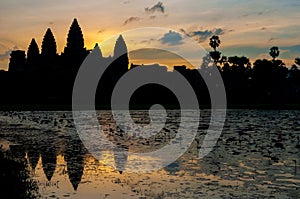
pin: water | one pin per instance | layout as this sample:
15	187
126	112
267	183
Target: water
255	157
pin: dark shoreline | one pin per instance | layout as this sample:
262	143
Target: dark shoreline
65	107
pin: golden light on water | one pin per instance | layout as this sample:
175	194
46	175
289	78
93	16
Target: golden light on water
240	167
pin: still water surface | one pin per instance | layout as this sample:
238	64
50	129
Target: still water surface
257	156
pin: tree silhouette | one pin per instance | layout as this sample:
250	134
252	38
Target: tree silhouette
269	78
274	52
223	60
214	42
262	78
235	73
239	64
205	67
295	72
215	55
294	75
48	46
297	61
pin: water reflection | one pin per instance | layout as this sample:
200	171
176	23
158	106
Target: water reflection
15	180
48	153
74	157
256	157
33	154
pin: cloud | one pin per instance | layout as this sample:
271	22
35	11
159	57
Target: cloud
131	19
6	54
245	50
260	13
100	31
290	51
148	41
272	39
159	7
203	35
219	31
294	49
172	38
150	56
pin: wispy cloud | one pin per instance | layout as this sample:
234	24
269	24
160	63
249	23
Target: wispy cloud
5	55
272	39
203	35
172	38
244	50
159	7
290	52
293	49
148	41
131	19
100	31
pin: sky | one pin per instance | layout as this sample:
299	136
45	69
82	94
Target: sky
246	27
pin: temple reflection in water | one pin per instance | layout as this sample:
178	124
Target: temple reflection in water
60	146
47	145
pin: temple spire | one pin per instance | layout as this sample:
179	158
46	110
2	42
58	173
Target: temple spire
75	41
120	47
121	57
48	45
33	54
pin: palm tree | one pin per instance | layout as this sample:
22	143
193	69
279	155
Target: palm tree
214	42
274	52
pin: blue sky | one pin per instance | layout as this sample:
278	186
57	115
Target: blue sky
246	27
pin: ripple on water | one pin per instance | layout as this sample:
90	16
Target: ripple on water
244	163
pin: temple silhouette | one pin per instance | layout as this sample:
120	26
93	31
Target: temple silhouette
42	76
45	77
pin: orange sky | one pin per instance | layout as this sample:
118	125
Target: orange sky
247	28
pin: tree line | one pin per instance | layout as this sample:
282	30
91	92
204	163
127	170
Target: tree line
266	81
